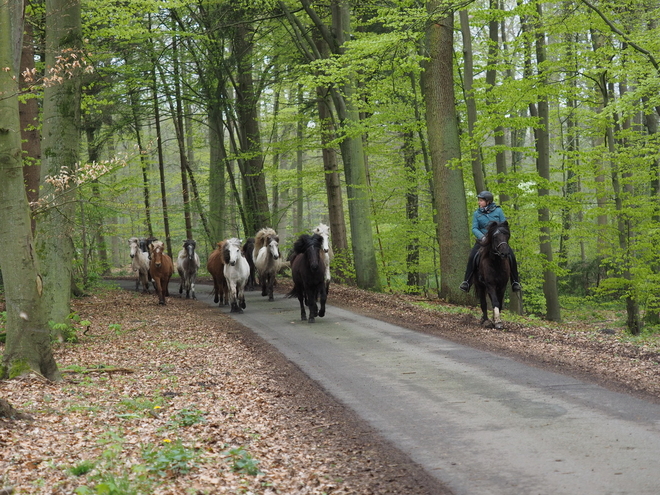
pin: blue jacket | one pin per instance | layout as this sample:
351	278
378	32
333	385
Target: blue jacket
483	216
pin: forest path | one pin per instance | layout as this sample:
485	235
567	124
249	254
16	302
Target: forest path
479	422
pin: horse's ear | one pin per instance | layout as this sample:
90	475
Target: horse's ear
505	223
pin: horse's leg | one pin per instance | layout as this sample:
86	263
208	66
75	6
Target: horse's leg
322	296
303	313
263	278
311	303
241	296
192	287
484	307
271	283
159	291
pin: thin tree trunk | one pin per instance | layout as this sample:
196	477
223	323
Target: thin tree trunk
29	114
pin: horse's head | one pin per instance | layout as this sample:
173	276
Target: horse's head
232	251
497	239
324	231
156	250
134	245
189	245
273	244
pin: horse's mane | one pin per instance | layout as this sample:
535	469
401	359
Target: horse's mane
306	241
157	244
262	235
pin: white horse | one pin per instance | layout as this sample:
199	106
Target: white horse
237	272
139	264
187	264
266	256
324	231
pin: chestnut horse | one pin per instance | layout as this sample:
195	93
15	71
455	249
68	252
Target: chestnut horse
308	273
161	269
216	267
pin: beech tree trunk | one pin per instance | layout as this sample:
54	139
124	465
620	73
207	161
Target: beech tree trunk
441	122
27	346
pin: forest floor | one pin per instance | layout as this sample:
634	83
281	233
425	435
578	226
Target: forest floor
182	399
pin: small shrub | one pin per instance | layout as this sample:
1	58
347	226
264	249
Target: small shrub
188	417
172	458
242	461
82	468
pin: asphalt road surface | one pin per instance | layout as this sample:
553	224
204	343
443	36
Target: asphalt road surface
479	422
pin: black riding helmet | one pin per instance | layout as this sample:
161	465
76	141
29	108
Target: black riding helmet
486	195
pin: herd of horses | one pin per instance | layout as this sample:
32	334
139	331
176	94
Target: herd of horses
236	267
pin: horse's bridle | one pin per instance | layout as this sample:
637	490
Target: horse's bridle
497	248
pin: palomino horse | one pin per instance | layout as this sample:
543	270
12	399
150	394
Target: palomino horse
237	272
248	250
492	271
266	255
161	269
216	267
324	231
139	264
187	264
308	273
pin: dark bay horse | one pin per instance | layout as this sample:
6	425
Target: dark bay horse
216	267
161	269
308	273
492	271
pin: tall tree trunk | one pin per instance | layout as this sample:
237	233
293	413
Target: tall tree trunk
412	212
542	136
28	337
468	78
298	218
177	117
144	164
352	150
217	175
61	138
442	125
254	180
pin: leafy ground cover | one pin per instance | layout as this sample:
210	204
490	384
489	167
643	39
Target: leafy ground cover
180	399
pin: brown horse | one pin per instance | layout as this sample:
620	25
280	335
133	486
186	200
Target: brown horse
161	269
216	266
492	272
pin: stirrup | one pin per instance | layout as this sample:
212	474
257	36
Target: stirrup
516	287
465	286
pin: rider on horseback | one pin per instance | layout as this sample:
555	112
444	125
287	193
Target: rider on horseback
487	212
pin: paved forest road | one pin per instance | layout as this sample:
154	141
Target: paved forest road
480	423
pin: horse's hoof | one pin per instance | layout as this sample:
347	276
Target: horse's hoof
264	293
162	303
322	313
311	319
488	324
243	304
499	326
180	290
271	298
303	318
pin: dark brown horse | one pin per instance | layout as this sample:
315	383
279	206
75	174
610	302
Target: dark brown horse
308	273
216	267
492	271
161	269
248	251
